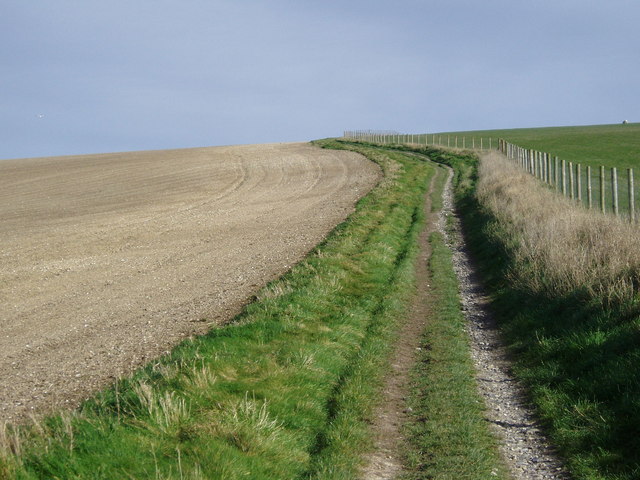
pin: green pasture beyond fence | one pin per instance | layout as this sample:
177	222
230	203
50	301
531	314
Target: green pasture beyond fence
603	188
606	189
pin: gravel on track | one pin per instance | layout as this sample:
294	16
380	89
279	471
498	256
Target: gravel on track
526	451
108	261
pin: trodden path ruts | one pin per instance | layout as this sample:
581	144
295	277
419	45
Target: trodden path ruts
385	462
107	261
524	448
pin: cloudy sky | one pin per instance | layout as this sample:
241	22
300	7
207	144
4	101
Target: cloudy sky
86	76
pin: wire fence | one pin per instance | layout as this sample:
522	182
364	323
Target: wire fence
386	137
599	188
603	188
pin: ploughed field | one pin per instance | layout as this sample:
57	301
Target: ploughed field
107	261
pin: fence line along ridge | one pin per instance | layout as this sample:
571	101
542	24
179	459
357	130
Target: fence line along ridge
584	185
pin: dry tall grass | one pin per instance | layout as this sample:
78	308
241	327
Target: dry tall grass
566	246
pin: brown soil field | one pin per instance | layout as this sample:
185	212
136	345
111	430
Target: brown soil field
108	261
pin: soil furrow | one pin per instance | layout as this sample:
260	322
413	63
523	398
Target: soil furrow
108	261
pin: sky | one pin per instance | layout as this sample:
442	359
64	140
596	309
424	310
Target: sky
85	76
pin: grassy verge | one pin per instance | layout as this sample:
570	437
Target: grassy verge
285	391
572	320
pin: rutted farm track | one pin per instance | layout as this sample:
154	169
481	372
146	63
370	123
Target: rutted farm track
109	260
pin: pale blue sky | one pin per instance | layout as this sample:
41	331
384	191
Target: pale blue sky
82	76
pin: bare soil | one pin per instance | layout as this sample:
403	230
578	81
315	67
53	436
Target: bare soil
108	261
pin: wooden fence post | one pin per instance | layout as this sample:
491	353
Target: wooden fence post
571	180
540	166
578	183
589	192
632	203
614	186
602	202
555	171
564	178
531	165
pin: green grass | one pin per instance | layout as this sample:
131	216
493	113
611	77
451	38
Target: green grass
285	391
595	145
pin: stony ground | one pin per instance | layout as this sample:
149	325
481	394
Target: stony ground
524	448
107	261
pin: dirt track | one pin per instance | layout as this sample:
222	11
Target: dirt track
107	261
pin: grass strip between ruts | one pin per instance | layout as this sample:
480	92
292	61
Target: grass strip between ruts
449	435
284	391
